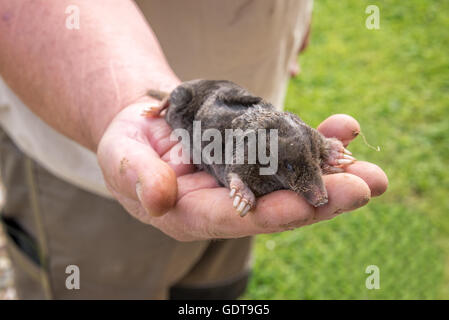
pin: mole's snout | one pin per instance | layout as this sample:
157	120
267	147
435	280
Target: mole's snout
320	202
316	196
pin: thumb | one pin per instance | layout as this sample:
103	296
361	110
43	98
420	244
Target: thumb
135	171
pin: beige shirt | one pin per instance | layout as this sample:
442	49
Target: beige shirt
250	42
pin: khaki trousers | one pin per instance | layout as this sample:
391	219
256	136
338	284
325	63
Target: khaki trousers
52	225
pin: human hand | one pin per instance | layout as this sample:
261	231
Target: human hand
188	205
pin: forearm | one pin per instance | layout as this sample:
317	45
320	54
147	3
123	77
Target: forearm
77	80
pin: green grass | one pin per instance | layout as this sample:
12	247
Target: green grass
395	81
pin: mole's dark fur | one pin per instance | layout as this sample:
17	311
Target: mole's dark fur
304	154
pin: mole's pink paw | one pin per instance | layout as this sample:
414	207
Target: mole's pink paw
338	156
155	110
244	199
151	111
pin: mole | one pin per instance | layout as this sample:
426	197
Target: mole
303	153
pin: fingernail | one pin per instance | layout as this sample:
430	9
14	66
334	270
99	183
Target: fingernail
236	201
245	211
139	191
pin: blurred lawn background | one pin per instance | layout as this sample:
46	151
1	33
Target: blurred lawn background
395	81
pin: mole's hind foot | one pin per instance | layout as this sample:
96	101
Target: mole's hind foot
243	198
338	157
150	111
155	110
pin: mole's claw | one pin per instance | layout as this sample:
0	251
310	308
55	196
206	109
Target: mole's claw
348	157
245	211
344	161
244	198
236	201
244	207
241	206
347	151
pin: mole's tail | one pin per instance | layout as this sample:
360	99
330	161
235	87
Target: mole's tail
158	94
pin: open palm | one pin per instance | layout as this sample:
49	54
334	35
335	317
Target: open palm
189	205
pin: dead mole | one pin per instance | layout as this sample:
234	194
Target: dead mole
303	153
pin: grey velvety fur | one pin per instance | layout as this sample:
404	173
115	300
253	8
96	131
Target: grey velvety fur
303	152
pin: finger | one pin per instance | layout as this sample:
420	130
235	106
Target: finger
294	68
195	181
178	161
159	134
346	192
134	170
341	126
208	213
373	175
155	130
161	139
